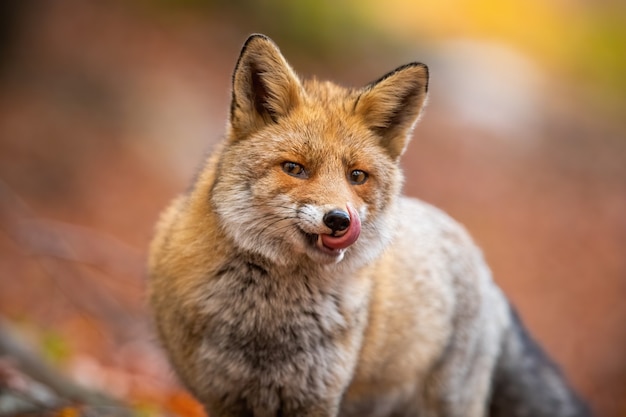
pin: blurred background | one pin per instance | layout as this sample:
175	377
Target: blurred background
107	108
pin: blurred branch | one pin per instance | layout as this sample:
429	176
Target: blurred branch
66	391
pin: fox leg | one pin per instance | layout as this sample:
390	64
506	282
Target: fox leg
288	408
457	390
459	384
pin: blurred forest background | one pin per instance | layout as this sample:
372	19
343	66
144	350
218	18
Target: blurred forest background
107	107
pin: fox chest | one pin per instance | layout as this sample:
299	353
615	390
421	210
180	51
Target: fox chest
268	329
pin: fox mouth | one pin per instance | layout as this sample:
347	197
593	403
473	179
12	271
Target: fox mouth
316	242
339	240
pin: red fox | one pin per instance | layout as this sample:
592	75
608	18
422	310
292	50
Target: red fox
293	279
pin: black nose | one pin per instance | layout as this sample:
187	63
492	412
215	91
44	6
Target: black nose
337	220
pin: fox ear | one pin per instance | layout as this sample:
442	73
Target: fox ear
265	88
391	106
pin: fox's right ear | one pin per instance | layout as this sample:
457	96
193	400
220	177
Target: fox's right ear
265	88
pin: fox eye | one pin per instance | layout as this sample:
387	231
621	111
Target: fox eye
294	169
358	177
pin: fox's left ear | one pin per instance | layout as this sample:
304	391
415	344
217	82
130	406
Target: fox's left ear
391	106
265	88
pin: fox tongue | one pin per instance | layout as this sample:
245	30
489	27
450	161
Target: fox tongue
349	237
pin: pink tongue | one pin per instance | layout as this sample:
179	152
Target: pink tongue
349	237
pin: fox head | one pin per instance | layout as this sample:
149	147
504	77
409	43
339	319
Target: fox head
310	170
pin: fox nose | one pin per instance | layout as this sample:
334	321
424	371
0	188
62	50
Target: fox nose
337	220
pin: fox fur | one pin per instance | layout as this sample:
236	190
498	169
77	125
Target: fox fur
267	309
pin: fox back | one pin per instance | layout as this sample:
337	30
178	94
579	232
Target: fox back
293	279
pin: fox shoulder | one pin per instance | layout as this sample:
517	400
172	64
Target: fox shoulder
177	253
